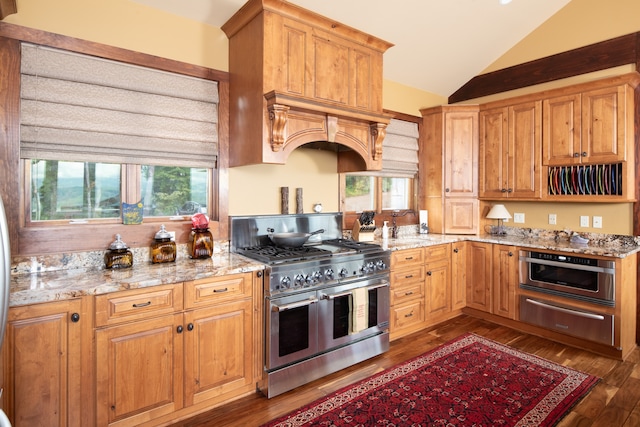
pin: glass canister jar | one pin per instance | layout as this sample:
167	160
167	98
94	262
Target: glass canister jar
119	255
201	243
163	248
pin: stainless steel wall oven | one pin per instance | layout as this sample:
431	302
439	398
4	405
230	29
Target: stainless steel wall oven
587	279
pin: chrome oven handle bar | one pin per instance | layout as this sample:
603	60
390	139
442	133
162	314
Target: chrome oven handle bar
384	284
568	265
277	308
566	310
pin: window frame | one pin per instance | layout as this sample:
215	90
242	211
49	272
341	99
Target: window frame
91	236
402	216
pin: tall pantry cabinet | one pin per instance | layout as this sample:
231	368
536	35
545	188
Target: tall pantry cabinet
449	168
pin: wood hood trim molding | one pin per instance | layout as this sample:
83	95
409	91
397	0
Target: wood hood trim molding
7	7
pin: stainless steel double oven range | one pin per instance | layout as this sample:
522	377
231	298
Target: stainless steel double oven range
326	303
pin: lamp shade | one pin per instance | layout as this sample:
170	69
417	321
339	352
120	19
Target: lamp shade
498	212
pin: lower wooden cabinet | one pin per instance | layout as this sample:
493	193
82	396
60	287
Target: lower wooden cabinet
438	282
44	365
479	257
458	275
192	352
407	292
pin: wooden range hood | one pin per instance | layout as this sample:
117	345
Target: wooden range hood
297	78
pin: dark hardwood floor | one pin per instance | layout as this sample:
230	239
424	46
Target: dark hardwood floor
613	402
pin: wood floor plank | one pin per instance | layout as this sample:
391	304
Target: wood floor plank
610	403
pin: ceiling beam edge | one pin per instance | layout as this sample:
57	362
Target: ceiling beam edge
610	53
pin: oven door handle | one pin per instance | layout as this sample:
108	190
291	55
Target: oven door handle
277	308
568	265
566	310
347	293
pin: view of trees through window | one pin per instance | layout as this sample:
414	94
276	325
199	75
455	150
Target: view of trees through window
62	190
361	193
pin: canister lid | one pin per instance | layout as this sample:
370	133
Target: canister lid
118	244
162	234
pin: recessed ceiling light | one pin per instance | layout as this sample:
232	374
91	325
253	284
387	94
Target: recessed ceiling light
505	1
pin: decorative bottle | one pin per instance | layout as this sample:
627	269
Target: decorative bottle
163	248
119	255
200	239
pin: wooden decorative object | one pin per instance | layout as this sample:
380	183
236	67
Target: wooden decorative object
284	200
299	204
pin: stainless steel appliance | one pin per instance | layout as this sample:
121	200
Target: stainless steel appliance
5	277
583	278
326	303
580	278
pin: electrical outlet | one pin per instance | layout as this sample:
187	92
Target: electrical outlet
597	222
518	217
584	220
553	220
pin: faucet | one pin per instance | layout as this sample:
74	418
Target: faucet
394	227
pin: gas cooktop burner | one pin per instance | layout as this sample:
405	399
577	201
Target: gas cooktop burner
278	254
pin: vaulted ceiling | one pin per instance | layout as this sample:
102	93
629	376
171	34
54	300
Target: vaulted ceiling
439	45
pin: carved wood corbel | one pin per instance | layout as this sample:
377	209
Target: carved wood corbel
332	128
278	118
378	132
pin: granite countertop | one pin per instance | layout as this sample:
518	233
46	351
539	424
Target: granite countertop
72	283
45	286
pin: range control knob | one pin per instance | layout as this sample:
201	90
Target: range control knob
285	282
299	280
368	267
329	274
380	265
343	272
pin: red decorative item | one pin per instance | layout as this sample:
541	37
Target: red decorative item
199	221
470	381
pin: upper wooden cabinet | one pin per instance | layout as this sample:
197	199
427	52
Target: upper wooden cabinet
510	150
297	77
449	168
589	127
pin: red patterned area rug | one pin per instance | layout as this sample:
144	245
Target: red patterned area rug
469	381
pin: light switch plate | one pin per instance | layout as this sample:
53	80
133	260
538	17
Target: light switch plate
553	219
518	217
584	220
597	222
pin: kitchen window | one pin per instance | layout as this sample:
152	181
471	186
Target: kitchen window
394	187
95	134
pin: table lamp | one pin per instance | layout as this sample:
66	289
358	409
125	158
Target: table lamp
500	213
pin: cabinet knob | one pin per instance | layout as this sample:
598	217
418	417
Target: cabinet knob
179	329
576	154
584	154
428	273
259	274
190	327
75	317
510	253
509	190
446	190
456	250
504	190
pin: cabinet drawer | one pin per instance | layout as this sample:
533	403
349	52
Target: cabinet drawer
400	277
434	253
402	294
118	307
407	315
407	257
218	289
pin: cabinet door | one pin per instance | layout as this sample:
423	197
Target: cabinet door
505	278
461	154
42	366
218	351
561	130
438	288
493	154
458	275
603	125
461	216
479	273
139	370
525	138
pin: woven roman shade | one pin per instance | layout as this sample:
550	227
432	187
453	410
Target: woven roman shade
400	149
77	107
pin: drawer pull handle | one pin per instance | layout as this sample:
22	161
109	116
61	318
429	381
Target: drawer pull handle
409	315
408	276
409	258
409	293
215	291
143	304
